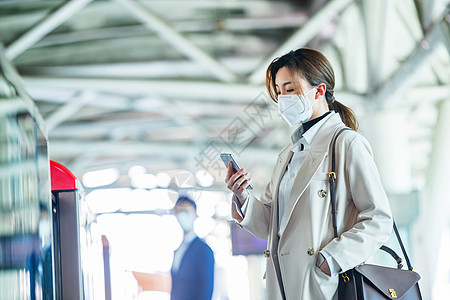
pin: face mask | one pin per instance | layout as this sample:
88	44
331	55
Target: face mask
186	220
295	108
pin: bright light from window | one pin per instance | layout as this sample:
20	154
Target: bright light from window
136	170
222	229
441	287
110	224
205	208
206	205
203	226
172	234
106	200
164	198
139	200
144	181
163	179
204	178
145	242
238	287
223	209
100	177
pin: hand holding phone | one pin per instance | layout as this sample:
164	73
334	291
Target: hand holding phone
227	158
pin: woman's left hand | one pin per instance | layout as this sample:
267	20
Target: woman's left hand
325	268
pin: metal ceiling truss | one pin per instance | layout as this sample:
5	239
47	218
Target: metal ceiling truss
193	87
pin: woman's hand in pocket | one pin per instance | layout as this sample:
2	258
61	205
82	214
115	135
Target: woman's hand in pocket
324	267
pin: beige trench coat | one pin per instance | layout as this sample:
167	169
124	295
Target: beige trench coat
363	215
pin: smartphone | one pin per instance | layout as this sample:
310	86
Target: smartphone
227	157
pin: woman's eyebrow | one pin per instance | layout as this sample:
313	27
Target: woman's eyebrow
286	83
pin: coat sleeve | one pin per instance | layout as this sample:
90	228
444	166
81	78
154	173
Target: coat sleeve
254	214
374	222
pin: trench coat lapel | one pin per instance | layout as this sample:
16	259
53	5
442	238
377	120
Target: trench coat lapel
302	180
283	159
316	155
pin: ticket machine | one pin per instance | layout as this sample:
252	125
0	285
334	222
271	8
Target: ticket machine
79	248
66	232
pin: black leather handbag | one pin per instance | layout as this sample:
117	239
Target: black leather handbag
374	282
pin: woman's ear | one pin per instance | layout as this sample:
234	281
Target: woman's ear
321	89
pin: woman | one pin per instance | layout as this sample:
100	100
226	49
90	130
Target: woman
294	212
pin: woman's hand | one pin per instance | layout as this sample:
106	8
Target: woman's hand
237	182
325	268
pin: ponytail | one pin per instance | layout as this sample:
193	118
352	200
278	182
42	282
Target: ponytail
346	114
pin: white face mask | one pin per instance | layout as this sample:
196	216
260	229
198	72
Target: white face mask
295	108
186	220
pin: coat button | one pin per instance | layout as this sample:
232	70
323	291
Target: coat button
266	253
310	251
322	193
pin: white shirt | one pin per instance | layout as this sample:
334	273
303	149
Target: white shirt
179	253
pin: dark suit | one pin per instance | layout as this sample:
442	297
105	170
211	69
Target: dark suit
194	279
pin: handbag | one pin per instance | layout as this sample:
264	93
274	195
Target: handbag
368	281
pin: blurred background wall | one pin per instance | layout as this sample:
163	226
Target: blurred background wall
140	97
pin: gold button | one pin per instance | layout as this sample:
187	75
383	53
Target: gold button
310	251
322	193
266	253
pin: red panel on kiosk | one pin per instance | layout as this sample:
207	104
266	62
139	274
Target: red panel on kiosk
62	178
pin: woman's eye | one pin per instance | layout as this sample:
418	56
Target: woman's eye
290	91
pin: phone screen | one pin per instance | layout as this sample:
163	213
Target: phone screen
227	157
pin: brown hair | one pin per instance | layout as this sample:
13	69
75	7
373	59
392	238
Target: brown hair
315	68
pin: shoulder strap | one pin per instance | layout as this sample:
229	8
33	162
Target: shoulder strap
332	179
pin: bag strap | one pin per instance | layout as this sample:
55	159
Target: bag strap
332	180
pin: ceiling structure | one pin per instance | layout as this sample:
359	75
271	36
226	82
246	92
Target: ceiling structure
168	84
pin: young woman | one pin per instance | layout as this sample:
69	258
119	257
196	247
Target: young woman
294	212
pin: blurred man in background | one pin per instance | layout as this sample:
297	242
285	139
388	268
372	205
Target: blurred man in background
193	263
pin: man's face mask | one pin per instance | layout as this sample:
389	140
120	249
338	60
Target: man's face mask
186	220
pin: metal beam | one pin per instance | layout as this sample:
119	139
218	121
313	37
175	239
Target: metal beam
178	115
445	30
374	17
67	110
44	27
158	69
162	151
423	50
56	95
82	130
199	91
302	36
178	41
10	73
